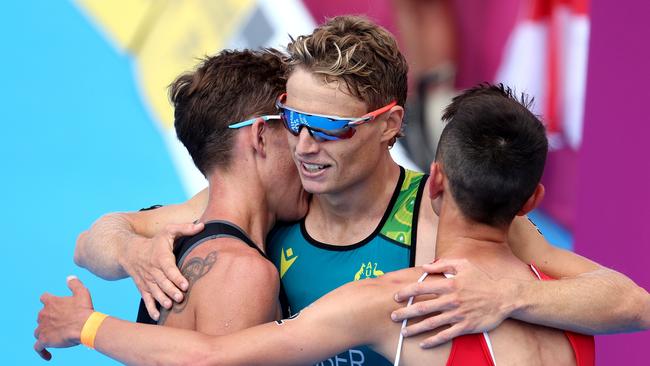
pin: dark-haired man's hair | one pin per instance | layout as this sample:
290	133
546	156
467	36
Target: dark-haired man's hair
493	151
230	87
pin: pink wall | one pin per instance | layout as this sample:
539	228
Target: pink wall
613	197
379	11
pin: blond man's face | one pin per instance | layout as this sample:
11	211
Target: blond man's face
330	166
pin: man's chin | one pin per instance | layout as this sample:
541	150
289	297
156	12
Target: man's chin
313	188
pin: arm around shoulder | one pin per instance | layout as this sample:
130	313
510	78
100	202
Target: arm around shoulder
101	248
587	298
351	315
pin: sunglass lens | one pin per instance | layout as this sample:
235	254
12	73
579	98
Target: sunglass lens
293	121
292	127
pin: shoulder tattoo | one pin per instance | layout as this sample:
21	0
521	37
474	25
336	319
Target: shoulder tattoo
193	269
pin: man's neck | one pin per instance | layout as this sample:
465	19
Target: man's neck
241	204
459	236
368	197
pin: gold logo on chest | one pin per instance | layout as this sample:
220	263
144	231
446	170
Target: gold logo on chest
368	270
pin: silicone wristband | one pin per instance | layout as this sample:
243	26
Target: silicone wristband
90	328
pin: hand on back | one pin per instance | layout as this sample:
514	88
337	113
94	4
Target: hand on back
152	266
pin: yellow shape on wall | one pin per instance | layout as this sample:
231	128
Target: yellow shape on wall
167	38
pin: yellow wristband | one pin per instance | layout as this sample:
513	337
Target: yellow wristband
90	328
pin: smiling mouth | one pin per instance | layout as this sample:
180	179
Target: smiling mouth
314	168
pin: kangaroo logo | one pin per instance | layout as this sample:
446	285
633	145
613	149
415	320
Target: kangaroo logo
368	270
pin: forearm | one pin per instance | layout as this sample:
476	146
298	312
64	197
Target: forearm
269	344
101	248
597	302
140	344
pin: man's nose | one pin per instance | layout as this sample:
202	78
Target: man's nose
306	143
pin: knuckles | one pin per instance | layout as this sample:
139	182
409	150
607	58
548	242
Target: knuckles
421	308
41	317
454	300
451	285
420	288
432	323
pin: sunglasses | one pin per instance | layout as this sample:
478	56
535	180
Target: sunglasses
249	122
321	127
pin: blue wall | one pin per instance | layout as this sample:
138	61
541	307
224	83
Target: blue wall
76	142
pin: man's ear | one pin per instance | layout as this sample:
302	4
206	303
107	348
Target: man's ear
394	119
436	181
533	201
259	136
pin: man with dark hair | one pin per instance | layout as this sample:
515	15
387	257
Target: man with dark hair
344	107
488	132
224	114
493	164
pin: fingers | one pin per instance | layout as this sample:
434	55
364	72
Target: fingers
150	304
45	297
435	286
430	323
169	266
147	298
450	266
184	229
443	336
159	295
80	291
74	284
168	287
40	349
425	307
172	273
77	288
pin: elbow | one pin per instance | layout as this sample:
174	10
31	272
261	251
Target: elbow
640	310
629	304
79	249
632	313
201	354
188	356
189	359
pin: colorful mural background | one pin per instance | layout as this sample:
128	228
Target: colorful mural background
87	130
77	141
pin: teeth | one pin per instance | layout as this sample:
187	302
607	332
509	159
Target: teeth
313	167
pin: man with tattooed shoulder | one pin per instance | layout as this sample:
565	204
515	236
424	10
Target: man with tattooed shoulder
225	115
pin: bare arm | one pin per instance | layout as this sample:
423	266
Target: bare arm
139	245
334	323
587	298
102	248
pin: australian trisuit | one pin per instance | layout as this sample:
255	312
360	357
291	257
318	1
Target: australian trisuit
309	269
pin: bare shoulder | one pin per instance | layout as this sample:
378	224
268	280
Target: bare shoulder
231	286
231	259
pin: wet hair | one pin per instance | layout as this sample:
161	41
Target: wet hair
229	87
493	151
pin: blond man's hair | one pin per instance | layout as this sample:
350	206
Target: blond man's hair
357	51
